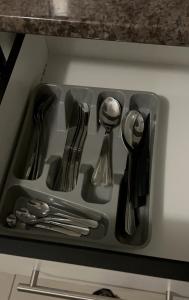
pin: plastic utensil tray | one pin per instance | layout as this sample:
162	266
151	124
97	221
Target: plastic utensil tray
101	199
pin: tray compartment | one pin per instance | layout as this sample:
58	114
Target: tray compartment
24	153
146	103
16	198
80	95
102	194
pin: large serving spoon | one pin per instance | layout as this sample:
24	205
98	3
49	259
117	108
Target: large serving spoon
132	132
42	209
109	117
25	216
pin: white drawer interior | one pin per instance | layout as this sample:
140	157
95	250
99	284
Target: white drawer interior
159	69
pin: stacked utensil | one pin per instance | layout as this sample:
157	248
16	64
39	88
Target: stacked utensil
68	168
109	117
39	214
134	186
38	146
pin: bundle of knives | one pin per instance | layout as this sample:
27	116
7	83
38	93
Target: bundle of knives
39	140
68	168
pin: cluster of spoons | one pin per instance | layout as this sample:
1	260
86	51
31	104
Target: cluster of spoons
132	132
41	215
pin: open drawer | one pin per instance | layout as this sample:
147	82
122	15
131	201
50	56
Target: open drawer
132	67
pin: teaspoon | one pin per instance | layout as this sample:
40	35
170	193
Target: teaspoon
109	117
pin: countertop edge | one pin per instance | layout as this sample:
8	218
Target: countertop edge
95	30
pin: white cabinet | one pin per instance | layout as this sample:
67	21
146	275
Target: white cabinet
82	287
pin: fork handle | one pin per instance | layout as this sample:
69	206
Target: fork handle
102	174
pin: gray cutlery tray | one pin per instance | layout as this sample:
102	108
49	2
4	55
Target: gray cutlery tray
96	200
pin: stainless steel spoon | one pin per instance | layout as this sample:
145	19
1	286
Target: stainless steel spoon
11	220
109	117
42	209
12	223
132	132
25	216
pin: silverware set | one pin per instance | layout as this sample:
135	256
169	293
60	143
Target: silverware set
68	168
69	219
39	214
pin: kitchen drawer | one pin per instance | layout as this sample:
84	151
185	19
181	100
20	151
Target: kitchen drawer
159	69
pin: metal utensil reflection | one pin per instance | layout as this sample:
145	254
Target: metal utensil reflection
109	117
132	132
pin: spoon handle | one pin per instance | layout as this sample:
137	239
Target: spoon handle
102	174
130	222
72	227
74	210
58	230
77	220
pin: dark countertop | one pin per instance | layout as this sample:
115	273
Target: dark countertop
143	21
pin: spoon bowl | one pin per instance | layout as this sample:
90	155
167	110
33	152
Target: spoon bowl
38	208
11	220
110	113
132	129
